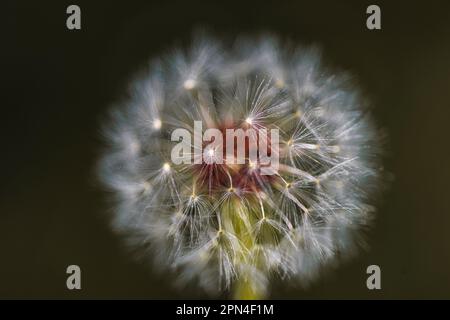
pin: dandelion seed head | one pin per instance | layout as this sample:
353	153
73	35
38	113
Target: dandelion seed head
221	225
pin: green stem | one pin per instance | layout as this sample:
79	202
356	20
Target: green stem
237	219
245	289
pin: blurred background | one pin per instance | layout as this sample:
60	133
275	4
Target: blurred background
57	84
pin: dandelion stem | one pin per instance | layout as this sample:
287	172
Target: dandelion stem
245	289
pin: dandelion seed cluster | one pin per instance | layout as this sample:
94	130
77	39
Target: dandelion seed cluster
227	226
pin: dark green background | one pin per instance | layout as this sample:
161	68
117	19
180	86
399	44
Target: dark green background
57	84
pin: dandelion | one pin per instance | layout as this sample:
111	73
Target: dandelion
226	226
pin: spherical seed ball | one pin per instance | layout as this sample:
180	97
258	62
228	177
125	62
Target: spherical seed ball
226	225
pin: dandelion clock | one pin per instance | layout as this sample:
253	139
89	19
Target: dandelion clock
236	166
